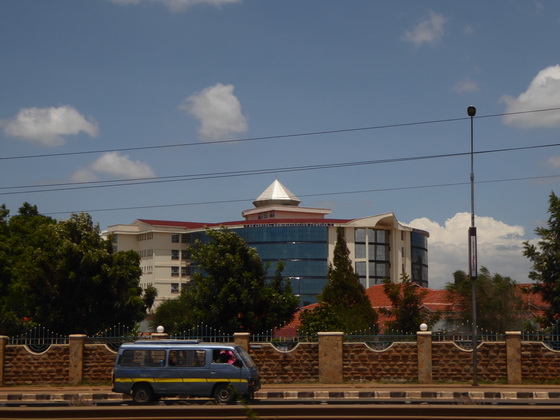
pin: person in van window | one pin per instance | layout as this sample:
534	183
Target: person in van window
226	356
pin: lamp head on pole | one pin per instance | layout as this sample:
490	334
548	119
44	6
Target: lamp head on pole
471	111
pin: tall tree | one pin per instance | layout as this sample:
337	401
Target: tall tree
498	300
229	291
23	234
67	278
545	257
343	304
149	296
406	306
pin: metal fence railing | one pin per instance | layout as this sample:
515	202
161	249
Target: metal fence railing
204	332
39	339
549	336
115	336
379	341
283	342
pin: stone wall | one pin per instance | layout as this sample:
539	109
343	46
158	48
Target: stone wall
539	362
327	361
454	364
23	367
297	365
398	363
98	363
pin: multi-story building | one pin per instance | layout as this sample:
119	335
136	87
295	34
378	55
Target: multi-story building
303	238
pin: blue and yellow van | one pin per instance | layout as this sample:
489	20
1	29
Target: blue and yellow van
150	369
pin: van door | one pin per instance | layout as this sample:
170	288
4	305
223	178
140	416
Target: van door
185	373
226	369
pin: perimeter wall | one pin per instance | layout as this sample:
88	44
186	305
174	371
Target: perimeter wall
330	360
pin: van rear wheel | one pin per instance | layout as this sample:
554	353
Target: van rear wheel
142	393
223	394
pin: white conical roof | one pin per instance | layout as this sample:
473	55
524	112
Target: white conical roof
276	193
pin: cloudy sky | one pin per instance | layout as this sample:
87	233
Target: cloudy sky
189	109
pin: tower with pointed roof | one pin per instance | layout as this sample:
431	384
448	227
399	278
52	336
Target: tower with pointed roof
276	194
278	202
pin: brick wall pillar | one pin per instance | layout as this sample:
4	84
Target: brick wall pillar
242	339
424	344
159	336
330	357
513	354
3	342
76	371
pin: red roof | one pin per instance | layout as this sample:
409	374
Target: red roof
435	300
169	223
196	225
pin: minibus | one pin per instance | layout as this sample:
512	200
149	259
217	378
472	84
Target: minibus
151	369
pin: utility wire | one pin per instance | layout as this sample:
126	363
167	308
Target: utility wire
213	175
277	137
414	187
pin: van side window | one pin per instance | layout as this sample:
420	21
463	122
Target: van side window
223	356
142	358
187	358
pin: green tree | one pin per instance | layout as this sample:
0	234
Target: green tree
229	291
22	235
149	296
406	306
498	300
67	278
343	303
176	315
545	257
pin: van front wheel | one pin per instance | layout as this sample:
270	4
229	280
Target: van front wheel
223	394
142	393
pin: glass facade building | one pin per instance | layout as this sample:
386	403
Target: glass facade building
303	250
302	238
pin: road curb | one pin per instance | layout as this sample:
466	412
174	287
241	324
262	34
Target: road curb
286	395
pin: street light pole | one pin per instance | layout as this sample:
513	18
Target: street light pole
473	269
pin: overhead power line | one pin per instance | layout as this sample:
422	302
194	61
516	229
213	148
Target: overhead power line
25	189
244	200
275	137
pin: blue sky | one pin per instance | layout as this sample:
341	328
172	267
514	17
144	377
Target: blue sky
216	90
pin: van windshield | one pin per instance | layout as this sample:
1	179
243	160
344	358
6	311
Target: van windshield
245	357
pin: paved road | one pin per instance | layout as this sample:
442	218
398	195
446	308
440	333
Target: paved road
367	393
288	412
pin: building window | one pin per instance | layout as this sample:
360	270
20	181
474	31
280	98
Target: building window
145	236
115	238
419	258
146	253
185	271
174	271
372	255
174	254
175	238
174	287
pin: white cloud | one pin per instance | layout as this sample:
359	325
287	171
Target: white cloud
114	164
465	85
543	93
84	175
428	31
48	126
499	248
178	5
218	111
554	161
